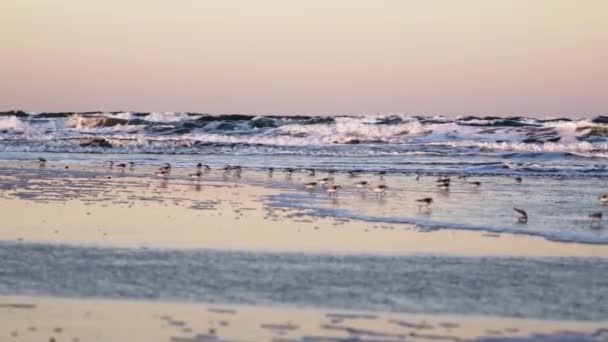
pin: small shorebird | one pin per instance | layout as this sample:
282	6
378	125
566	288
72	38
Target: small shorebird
332	190
311	172
201	166
596	217
354	173
41	161
310	185
131	165
121	166
325	180
111	164
361	184
196	175
380	189
475	184
289	170
603	198
417	178
518	180
427	201
162	173
522	216
270	171
443	183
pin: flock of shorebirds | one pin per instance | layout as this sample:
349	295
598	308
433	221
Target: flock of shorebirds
332	189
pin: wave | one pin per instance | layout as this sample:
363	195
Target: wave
583	137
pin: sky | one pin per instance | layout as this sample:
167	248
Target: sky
425	57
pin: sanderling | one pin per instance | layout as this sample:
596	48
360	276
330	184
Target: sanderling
518	180
522	216
325	180
311	172
41	161
475	184
162	173
354	173
310	185
425	201
596	218
380	189
196	175
332	190
603	198
361	184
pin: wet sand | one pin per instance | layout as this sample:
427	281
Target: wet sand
118	209
59	319
90	205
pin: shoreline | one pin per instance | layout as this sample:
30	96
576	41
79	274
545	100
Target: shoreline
223	213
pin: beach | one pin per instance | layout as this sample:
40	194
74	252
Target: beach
93	252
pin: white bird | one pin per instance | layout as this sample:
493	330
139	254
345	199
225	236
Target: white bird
361	184
380	189
332	190
425	201
325	180
310	185
196	175
475	184
162	173
603	198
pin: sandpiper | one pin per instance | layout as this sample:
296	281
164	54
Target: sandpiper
332	190
311	172
41	161
361	184
596	218
325	180
166	168
522	216
121	166
196	175
380	189
518	180
354	173
310	185
417	176
289	170
425	201
475	184
603	198
443	183
162	173
270	171
201	166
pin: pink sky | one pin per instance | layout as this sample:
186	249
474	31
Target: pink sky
494	57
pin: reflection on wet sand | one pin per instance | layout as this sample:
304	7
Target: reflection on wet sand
47	319
82	205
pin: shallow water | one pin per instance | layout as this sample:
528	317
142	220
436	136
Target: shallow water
549	288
